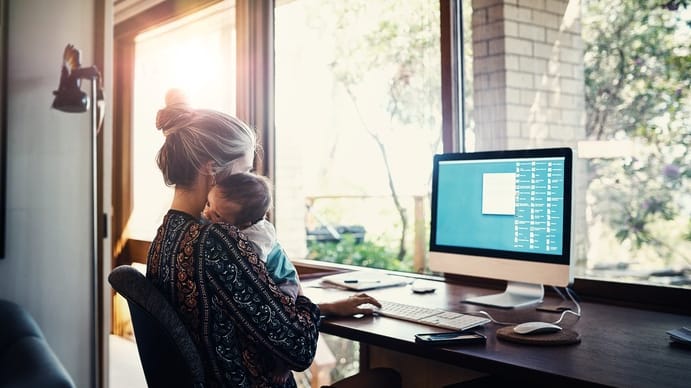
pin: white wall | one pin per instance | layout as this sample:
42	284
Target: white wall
46	266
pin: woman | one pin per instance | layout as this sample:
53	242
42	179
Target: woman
239	319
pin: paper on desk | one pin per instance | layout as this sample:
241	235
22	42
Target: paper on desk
364	280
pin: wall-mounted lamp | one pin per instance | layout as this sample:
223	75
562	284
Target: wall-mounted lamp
70	98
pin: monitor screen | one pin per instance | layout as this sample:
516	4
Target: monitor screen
503	215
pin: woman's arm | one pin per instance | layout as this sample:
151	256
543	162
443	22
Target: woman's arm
344	307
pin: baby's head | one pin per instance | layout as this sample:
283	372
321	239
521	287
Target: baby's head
239	199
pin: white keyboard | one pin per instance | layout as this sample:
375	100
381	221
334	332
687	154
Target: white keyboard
429	316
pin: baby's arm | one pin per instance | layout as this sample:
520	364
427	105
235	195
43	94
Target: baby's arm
283	272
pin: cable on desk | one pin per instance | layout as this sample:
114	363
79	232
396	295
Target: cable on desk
556	289
569	292
577	313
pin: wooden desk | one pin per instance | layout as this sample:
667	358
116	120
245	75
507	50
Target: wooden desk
619	346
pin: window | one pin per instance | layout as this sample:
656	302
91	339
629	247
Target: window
635	149
197	55
358	117
358	114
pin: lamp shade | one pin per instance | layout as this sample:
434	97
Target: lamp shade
69	96
71	100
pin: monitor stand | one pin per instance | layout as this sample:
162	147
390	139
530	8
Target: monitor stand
517	294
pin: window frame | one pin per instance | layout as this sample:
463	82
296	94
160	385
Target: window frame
255	91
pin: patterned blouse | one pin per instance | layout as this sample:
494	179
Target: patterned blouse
239	319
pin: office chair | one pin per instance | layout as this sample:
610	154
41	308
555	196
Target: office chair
168	354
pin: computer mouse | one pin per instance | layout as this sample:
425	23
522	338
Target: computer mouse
536	328
420	288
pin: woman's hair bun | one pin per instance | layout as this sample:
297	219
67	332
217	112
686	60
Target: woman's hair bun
176	97
177	106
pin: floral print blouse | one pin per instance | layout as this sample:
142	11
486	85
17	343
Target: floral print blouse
240	320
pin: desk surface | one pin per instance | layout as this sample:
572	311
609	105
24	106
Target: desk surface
619	346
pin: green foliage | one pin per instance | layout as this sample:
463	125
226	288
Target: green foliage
633	195
673	4
635	70
638	82
348	251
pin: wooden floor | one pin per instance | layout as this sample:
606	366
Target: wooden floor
125	368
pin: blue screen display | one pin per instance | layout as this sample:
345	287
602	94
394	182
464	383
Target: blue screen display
514	205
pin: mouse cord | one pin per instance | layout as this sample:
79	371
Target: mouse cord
577	313
569	292
556	289
486	314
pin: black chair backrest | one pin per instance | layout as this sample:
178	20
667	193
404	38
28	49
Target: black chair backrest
168	354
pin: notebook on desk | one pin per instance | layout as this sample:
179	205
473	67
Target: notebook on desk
364	280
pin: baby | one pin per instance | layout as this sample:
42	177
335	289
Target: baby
243	200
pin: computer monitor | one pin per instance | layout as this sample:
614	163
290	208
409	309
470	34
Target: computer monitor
504	215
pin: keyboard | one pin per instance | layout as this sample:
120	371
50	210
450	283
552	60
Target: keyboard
429	316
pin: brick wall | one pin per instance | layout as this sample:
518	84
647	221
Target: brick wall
528	73
528	80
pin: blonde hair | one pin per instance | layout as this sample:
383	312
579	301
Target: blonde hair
196	136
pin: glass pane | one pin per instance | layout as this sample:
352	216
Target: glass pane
197	55
637	67
611	80
358	118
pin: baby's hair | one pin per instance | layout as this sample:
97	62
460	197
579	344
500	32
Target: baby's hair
196	136
251	191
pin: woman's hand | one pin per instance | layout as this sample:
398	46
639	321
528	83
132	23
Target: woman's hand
350	306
